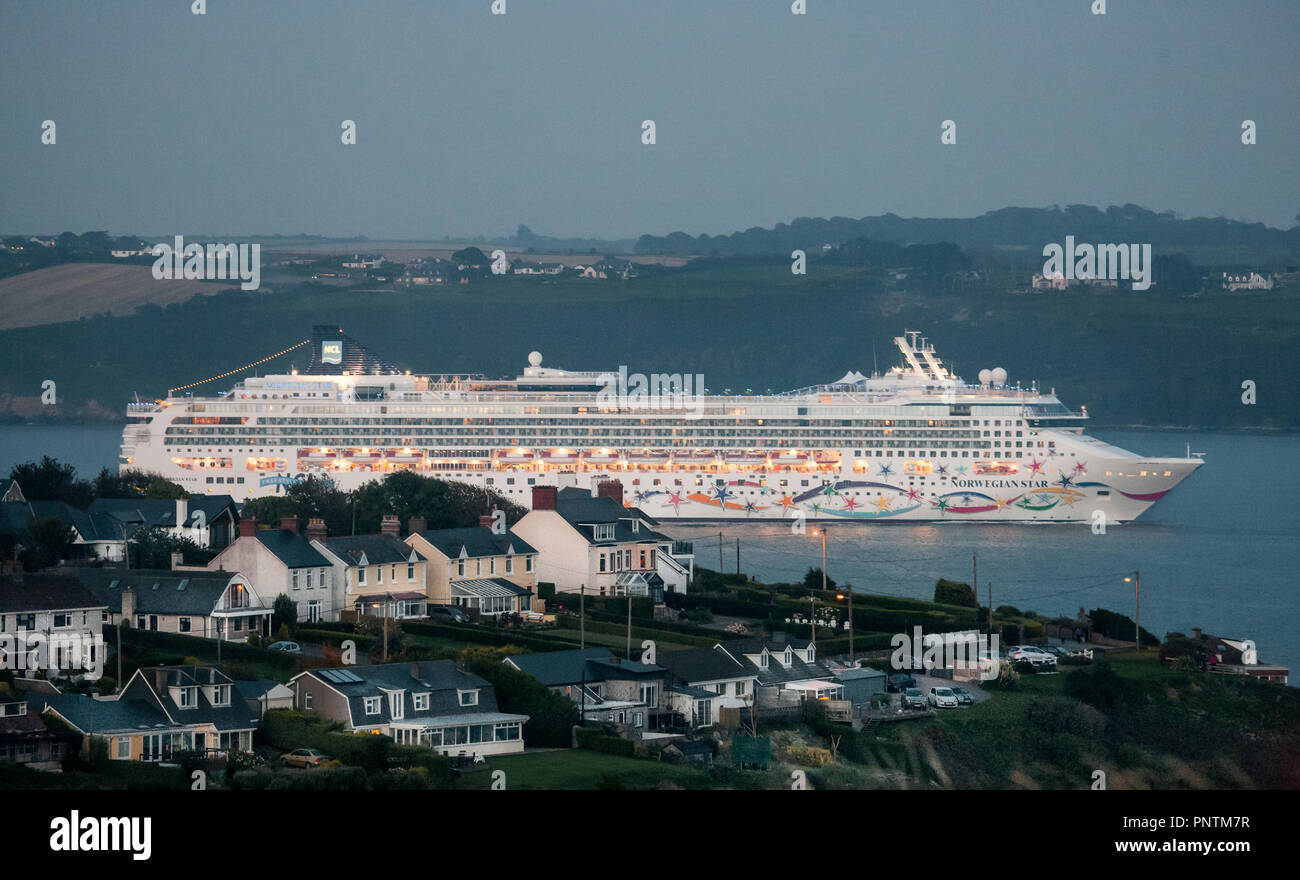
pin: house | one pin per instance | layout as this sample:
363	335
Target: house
162	710
25	739
282	562
208	604
861	684
704	681
1237	657
477	568
49	618
210	521
363	261
592	543
606	688
262	695
431	703
93	536
786	669
380	574
1246	281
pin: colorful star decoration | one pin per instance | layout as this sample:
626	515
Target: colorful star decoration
787	501
941	504
882	503
886	470
1081	467
1065	482
1035	466
675	499
912	495
850	503
941	471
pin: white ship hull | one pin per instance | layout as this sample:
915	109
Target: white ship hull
914	445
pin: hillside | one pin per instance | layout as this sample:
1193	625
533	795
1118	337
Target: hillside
1133	359
73	291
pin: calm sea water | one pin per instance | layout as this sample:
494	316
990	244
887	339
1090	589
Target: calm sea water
1221	552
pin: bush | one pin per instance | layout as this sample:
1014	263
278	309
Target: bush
1006	680
321	779
551	716
1063	715
948	592
1097	685
594	739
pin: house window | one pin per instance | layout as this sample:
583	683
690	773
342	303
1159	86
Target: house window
222	695
313	611
28	621
187	700
740	688
239	624
361	576
492	565
397	705
410	571
469	698
528	563
123	747
306	701
460	568
510	565
183	625
379	574
762	660
703	713
422	702
372	705
392	574
637	719
295	579
602	562
62	620
650	695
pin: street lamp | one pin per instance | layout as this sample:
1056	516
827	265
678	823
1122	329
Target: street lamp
814	598
841	597
1137	603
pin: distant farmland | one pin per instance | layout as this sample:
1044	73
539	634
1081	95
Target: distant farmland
75	290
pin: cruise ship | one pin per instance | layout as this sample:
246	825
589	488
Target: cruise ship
913	443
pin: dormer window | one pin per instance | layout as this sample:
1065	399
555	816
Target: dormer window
762	659
221	695
789	656
604	531
187	697
468	698
421	702
372	705
397	705
812	653
460	568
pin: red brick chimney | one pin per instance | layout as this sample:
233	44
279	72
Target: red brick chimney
611	489
544	497
485	520
289	523
247	526
391	525
417	525
316	530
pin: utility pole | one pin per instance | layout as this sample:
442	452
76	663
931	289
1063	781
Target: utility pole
719	552
582	619
737	554
812	610
1137	602
990	607
975	574
628	591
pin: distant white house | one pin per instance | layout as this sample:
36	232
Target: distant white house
1247	281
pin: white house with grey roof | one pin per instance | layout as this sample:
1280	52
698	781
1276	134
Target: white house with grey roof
191	602
281	561
590	542
431	703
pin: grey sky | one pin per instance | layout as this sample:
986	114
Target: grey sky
471	123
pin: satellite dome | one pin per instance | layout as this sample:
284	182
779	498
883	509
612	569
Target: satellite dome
986	376
999	376
535	358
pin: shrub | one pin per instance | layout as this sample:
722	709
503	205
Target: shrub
1006	680
1064	715
594	739
289	730
809	756
1097	685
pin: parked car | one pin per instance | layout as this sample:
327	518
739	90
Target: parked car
1030	654
448	614
899	682
286	647
964	697
1055	650
912	698
304	758
942	698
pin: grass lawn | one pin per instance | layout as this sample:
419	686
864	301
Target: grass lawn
583	769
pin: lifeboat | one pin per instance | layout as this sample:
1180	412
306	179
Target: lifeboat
560	456
694	456
600	456
745	456
317	456
647	456
515	456
404	456
790	458
363	456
